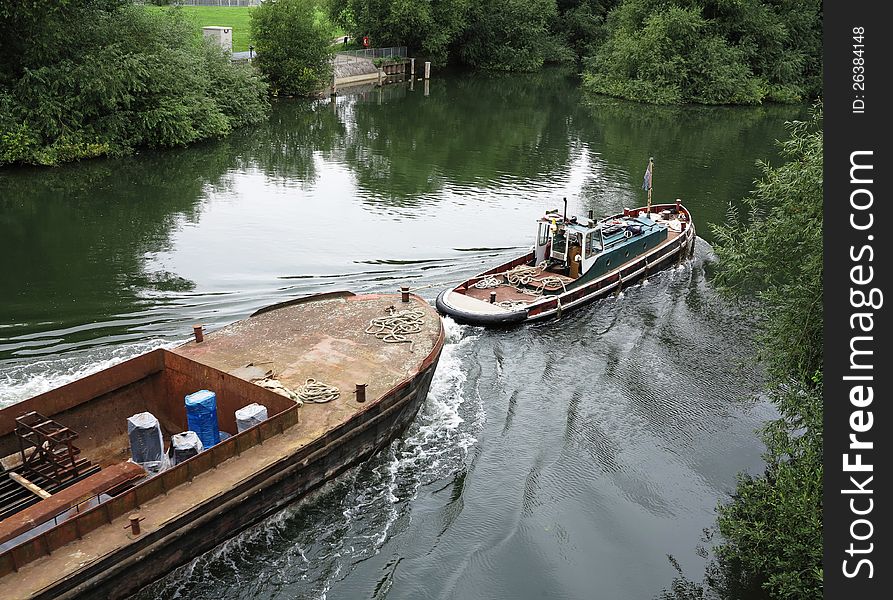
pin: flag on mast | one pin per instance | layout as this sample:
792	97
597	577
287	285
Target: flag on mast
648	184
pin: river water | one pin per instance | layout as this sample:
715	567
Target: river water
561	460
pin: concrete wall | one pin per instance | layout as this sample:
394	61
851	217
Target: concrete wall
222	36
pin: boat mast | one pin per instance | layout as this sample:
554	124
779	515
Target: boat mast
650	182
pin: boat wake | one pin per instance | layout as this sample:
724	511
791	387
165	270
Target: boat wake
21	380
306	548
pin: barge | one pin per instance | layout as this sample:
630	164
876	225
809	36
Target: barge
82	519
574	261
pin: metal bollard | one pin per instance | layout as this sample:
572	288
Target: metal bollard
492	297
197	331
361	392
404	294
135	519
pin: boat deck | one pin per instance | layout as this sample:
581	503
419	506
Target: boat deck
506	292
323	339
527	294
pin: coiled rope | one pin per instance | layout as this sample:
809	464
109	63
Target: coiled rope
317	391
512	304
487	282
522	275
551	280
394	328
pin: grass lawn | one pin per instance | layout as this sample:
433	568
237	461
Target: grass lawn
237	17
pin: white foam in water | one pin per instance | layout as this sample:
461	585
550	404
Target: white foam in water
370	498
22	380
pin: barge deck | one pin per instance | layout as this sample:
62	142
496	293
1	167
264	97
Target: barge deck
192	507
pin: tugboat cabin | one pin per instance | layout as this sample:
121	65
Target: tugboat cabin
586	250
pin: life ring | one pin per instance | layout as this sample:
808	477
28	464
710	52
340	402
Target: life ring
627	234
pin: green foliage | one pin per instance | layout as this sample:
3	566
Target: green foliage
773	525
427	28
581	24
101	78
236	17
713	52
502	35
292	45
777	254
512	35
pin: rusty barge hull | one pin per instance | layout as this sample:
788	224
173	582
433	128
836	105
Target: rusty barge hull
196	505
205	528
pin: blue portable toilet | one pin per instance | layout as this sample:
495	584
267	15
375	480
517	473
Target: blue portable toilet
201	417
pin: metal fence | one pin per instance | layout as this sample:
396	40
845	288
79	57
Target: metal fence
373	53
217	2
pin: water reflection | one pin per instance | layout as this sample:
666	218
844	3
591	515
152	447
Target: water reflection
324	194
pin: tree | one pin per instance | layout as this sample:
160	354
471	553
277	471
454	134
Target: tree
512	35
292	45
773	525
427	28
709	52
101	77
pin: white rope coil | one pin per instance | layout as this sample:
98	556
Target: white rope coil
394	328
317	391
551	280
487	282
511	305
522	275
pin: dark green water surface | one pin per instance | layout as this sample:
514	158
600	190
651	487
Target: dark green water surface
564	460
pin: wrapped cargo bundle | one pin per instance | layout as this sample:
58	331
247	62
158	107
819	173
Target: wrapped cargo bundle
201	417
146	442
184	445
249	416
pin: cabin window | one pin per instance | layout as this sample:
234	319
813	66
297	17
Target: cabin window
644	245
593	243
543	236
559	242
608	263
627	254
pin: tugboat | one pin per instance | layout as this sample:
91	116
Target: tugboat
574	261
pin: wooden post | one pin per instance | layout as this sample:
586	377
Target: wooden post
426	87
427	70
334	85
412	66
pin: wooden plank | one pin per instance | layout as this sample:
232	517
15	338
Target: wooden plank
28	485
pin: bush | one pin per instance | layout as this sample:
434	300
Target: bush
709	52
428	28
512	35
773	525
102	80
292	45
